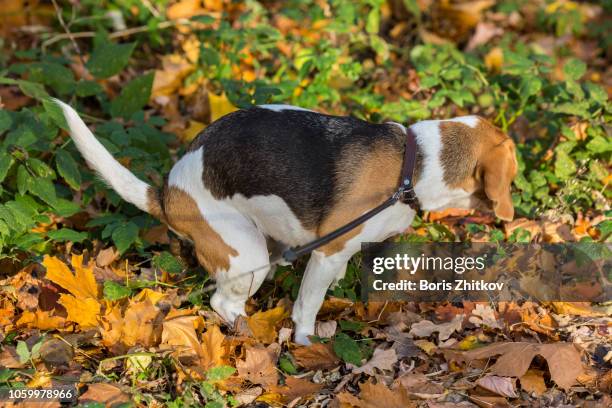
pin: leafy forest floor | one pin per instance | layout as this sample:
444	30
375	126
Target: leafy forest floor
95	293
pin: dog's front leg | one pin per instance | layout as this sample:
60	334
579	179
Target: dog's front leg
320	273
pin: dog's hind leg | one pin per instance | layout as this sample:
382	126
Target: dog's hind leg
247	271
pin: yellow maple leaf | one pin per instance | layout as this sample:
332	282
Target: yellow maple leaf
263	324
149	294
82	284
219	106
494	59
84	311
40	319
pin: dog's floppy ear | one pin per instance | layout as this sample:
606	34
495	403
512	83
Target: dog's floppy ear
499	169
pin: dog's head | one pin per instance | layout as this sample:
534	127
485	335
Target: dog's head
468	163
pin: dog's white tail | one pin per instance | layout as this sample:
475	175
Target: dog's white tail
123	181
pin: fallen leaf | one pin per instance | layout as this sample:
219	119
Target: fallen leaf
107	256
504	386
373	395
81	284
170	78
259	367
245	397
85	312
326	329
40	319
419	386
381	359
82	305
514	359
533	381
494	59
296	388
317	356
180	334
150	295
56	352
185	9
425	328
263	324
575	309
214	352
219	106
484	315
9	358
427	346
109	394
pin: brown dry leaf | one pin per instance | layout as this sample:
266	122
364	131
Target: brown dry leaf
484	315
41	319
485	31
141	324
109	394
263	324
529	225
214	352
381	359
107	256
504	386
9	358
533	381
296	388
259	367
419	386
563	359
373	395
219	106
317	356
180	334
425	328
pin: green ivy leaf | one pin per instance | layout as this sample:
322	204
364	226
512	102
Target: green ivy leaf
115	291
44	189
347	349
6	161
67	168
133	97
22	351
168	263
108	58
220	373
564	165
287	366
67	234
599	144
55	113
5	121
574	68
124	236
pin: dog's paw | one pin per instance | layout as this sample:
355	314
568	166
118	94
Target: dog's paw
302	338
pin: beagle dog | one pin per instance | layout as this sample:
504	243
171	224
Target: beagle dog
279	174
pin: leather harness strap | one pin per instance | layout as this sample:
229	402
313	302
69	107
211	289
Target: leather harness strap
405	193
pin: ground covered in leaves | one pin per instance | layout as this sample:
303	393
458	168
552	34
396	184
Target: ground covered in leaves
94	293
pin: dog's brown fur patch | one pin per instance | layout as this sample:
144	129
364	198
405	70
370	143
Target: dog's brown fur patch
366	187
154	204
481	158
183	215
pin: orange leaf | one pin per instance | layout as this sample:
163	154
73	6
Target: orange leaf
263	324
81	285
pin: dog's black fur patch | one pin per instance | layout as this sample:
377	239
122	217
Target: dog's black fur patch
293	154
